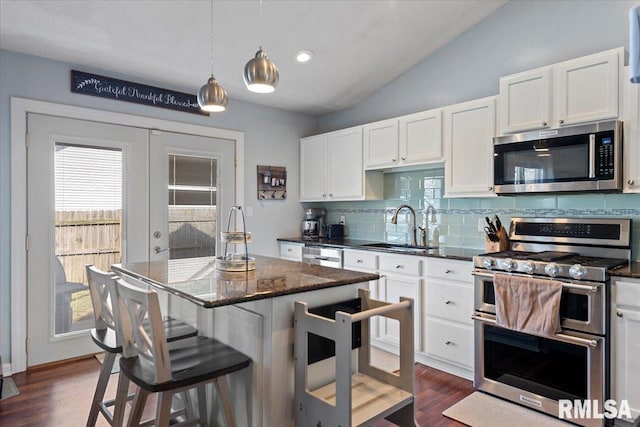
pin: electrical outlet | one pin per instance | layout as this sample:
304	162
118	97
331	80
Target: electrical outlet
481	225
343	220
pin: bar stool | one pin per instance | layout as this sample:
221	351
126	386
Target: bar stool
166	368
102	288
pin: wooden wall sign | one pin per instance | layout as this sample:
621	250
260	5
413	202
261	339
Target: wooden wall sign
122	90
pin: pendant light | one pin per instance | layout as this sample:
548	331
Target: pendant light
260	74
212	97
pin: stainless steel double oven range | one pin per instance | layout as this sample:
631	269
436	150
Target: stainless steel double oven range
537	371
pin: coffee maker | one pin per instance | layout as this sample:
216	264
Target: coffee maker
313	224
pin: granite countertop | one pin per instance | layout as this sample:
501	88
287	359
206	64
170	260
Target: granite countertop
630	270
196	279
449	252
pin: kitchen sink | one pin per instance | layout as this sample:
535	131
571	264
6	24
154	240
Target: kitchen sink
399	248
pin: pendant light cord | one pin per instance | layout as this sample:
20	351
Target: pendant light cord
260	26
211	38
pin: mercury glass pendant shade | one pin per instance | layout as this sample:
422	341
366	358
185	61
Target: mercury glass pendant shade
260	74
212	97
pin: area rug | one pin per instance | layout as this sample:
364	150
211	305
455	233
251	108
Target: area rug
482	410
9	388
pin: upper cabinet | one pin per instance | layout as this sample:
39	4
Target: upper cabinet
631	132
331	168
469	129
415	139
576	91
525	100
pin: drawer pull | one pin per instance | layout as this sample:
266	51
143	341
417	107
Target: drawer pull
447	271
399	266
448	302
448	342
289	250
359	261
630	182
619	314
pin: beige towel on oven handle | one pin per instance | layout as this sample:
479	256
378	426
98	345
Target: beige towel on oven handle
528	304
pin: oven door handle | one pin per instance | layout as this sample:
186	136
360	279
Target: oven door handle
585	288
570	339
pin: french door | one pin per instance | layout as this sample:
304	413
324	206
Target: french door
101	194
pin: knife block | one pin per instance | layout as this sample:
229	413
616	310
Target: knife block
501	245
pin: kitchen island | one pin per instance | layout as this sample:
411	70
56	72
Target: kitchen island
252	312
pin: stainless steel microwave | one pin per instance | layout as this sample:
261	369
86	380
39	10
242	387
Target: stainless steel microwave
578	158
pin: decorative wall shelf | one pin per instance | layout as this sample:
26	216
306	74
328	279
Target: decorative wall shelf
272	182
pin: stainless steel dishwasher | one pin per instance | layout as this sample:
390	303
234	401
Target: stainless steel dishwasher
322	255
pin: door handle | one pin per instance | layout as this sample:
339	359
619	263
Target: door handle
160	250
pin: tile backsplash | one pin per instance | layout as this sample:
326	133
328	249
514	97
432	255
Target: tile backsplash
454	222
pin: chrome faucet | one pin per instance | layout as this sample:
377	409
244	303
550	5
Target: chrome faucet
394	220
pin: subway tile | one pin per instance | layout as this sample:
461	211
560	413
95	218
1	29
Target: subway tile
580	201
536	202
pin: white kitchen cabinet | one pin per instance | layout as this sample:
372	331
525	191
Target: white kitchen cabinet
469	129
420	138
580	90
525	100
587	88
625	366
381	144
411	140
448	306
291	251
631	132
400	277
331	168
367	262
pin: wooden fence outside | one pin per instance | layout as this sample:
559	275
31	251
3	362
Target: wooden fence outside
94	237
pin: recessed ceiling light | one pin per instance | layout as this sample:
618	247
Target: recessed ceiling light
304	56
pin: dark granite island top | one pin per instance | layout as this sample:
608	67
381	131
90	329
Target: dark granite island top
196	279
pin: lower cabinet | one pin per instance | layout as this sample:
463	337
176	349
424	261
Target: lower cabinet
291	251
442	291
448	305
367	262
625	348
401	277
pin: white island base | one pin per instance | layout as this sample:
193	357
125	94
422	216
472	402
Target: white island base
263	396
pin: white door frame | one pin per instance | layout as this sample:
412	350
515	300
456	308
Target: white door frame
19	109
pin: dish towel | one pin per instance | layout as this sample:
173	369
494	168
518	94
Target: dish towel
527	304
634	44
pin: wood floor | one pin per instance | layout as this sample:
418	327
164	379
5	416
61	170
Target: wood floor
60	395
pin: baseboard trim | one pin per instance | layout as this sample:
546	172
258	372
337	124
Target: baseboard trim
6	369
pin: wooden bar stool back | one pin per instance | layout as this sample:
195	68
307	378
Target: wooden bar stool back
102	287
162	367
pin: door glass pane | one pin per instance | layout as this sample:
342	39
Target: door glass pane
192	206
88	214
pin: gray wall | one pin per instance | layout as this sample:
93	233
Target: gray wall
520	36
271	137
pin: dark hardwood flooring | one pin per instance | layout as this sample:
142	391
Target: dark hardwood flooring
60	395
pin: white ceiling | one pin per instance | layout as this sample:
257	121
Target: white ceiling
359	46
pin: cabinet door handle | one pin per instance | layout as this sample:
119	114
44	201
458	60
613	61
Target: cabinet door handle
448	342
393	160
630	182
619	314
330	194
399	266
447	302
324	195
544	123
561	121
490	188
403	158
447	271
